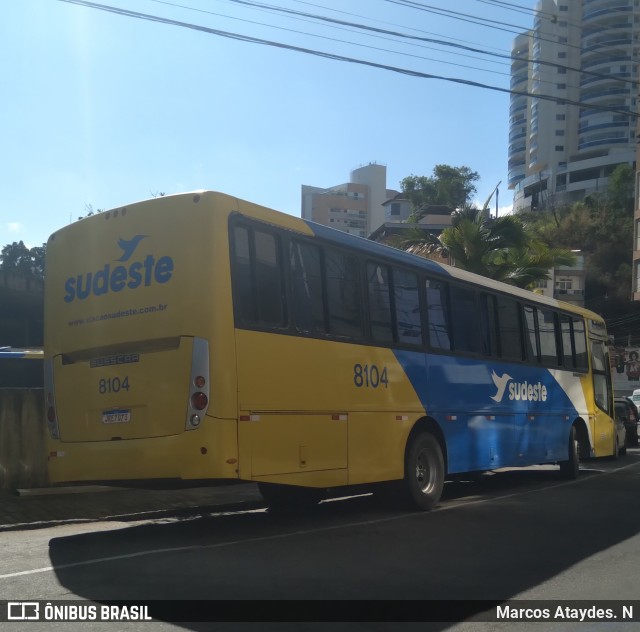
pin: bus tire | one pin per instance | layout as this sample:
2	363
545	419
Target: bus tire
290	497
569	469
424	472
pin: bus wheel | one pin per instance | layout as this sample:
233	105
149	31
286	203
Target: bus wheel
290	497
569	469
423	472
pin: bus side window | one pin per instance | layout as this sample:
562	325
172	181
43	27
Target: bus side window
568	351
488	324
531	338
464	320
437	312
242	278
306	288
407	305
268	275
580	342
257	278
510	331
601	381
379	302
343	294
548	338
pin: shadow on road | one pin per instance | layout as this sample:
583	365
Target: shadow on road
348	553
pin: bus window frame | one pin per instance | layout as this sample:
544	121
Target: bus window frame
286	239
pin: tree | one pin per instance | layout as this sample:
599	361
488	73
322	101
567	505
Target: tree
601	227
498	248
449	186
28	262
620	190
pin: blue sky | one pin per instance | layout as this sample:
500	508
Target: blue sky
103	110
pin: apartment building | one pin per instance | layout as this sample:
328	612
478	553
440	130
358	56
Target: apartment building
581	55
355	207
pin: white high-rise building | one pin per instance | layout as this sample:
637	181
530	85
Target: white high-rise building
580	53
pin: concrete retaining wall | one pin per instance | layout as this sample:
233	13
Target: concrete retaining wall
23	455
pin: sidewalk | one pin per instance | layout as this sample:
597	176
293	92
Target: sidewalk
39	508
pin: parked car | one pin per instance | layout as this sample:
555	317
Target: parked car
627	413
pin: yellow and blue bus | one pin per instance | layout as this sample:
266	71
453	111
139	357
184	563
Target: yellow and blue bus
199	337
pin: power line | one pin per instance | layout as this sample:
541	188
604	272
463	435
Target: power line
439	50
308	51
259	6
357	15
511	7
473	19
464	17
253	3
378	31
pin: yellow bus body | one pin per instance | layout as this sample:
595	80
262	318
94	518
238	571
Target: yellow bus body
133	295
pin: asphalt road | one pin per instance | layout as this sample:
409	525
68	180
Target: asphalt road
520	534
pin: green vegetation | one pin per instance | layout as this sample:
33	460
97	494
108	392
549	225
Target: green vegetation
521	249
448	186
601	227
502	249
499	248
27	262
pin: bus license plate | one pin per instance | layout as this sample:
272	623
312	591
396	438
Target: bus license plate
119	416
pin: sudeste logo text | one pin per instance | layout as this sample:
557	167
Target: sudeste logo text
518	391
115	278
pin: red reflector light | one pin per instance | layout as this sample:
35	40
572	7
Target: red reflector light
200	381
199	401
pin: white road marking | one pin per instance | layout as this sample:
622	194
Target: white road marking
450	506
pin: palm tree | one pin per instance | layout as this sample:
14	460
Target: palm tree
497	248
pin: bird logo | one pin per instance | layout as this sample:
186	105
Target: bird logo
128	247
501	384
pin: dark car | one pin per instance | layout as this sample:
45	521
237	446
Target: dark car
626	411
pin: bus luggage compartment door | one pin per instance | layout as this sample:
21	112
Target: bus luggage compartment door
285	443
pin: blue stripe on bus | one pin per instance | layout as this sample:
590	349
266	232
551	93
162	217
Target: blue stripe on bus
482	433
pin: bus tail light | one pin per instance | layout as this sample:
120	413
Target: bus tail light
199	401
198	384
